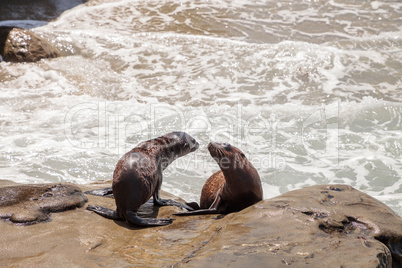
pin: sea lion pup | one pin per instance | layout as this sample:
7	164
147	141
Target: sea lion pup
138	176
236	186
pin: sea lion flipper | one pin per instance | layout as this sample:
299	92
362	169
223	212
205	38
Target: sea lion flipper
194	205
213	209
105	212
198	212
169	202
101	192
134	219
217	201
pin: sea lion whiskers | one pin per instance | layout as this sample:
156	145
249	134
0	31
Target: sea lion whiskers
221	153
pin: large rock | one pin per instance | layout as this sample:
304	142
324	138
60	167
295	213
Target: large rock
320	226
19	45
29	204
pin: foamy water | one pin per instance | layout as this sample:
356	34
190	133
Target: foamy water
310	91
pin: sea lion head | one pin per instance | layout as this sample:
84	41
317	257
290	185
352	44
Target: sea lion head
227	156
180	143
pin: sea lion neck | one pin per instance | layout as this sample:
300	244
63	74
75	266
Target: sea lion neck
166	150
233	167
229	158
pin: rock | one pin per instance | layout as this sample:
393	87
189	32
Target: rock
19	45
319	226
29	204
4	31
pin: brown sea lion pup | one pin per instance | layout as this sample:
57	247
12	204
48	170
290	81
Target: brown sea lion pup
138	176
236	186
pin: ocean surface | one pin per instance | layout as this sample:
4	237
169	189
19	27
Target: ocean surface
310	91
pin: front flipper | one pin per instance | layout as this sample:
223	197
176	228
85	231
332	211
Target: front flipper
105	212
108	192
135	220
198	212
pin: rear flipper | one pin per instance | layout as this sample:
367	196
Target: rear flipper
213	209
169	202
135	220
194	205
108	192
198	212
105	212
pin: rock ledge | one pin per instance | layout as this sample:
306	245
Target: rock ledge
318	226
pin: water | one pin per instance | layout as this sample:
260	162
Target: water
310	91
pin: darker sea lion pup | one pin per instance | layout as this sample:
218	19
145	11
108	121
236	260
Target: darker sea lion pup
236	186
138	176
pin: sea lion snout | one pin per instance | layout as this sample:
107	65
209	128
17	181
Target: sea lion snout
215	147
182	141
222	154
190	142
212	146
194	146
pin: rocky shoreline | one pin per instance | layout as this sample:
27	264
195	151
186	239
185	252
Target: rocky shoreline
324	225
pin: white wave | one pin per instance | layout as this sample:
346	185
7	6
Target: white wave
305	112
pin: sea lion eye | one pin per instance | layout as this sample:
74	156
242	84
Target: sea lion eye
227	146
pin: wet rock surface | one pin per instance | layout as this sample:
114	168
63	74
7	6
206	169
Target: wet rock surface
319	226
19	45
29	204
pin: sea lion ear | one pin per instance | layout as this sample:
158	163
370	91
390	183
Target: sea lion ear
175	135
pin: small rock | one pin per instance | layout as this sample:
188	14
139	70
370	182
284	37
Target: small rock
19	45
